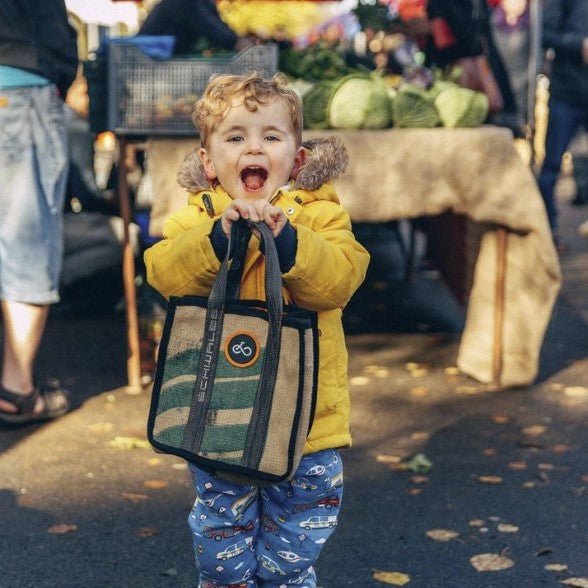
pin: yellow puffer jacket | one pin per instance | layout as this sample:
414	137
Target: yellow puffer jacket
330	265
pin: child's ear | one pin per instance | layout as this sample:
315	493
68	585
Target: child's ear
207	164
299	162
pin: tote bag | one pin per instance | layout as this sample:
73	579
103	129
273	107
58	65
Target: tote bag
236	380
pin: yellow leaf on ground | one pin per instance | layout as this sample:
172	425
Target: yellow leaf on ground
517	465
155	484
534	430
467	390
477	523
576	582
442	534
500	419
383	458
419	479
359	381
576	391
62	529
490	479
393	578
127	443
451	371
554	567
505	528
491	562
419	391
489	452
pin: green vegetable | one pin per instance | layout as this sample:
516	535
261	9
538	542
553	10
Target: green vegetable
461	107
360	101
414	107
315	103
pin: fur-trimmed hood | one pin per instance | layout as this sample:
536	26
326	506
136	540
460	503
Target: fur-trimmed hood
326	160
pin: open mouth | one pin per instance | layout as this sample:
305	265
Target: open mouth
253	177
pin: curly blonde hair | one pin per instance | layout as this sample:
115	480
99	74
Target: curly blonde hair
254	89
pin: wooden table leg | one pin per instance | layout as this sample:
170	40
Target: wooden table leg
499	300
133	352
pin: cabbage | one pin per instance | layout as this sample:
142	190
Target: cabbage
414	107
360	102
461	107
315	103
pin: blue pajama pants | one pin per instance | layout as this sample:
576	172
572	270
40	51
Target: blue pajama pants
268	537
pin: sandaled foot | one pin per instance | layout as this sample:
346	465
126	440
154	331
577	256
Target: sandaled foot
54	402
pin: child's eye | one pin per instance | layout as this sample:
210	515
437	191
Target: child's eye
234	138
272	138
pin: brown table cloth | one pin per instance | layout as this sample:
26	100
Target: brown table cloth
407	173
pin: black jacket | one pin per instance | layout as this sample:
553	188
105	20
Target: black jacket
565	26
36	36
188	21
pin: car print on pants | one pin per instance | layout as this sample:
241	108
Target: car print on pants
235	549
319	523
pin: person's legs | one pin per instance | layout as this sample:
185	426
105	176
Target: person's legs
564	121
23	328
297	519
223	523
33	171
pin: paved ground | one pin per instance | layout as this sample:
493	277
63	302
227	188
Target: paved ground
127	506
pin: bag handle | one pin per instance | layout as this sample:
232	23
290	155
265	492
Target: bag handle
213	326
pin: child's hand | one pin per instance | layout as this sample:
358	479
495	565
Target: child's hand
255	210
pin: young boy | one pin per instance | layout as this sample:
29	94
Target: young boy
252	165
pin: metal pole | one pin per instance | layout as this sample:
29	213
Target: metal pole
535	56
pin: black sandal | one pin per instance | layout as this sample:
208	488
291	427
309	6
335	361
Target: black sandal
56	403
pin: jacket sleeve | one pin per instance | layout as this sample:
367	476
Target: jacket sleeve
184	261
213	27
554	34
330	264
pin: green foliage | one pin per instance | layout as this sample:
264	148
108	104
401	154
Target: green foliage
460	107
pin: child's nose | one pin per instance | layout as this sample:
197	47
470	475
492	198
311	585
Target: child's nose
254	145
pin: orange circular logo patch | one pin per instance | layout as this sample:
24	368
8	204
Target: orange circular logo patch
242	349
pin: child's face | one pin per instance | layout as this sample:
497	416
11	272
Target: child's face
252	154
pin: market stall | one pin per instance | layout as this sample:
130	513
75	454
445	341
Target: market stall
408	173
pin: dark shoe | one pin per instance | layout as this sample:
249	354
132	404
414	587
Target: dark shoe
56	403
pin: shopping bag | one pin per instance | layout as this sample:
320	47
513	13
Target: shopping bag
236	380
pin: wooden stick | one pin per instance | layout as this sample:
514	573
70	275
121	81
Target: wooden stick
133	351
499	300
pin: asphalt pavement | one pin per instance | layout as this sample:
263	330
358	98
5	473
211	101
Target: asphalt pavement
85	502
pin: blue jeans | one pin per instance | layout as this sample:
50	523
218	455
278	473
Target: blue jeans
268	537
564	121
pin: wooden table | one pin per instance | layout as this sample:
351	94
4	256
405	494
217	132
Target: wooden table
409	173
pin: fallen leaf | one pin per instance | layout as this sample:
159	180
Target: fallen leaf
154	461
505	528
101	427
477	523
420	464
529	484
500	419
491	562
180	466
419	479
419	373
384	458
419	391
420	436
132	497
414	491
517	465
451	371
576	391
547	467
534	430
561	448
394	578
576	582
554	567
410	366
62	529
146	532
128	443
371	369
382	373
490	479
441	534
489	452
359	381
155	484
544	551
170	572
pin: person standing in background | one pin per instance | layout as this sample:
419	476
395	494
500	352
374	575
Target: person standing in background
38	62
565	30
189	21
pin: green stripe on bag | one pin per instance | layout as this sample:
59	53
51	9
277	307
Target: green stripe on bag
224	438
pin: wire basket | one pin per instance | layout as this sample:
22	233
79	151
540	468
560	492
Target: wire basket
155	97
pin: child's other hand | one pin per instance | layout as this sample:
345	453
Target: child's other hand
255	210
